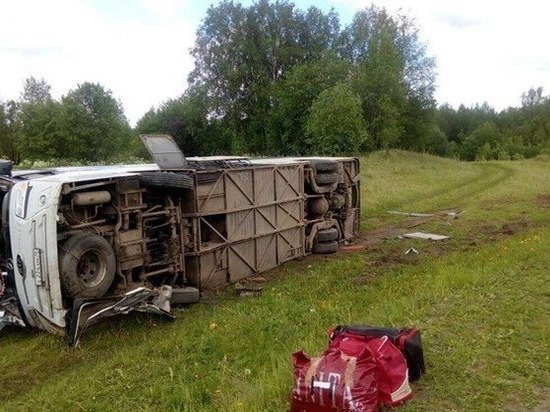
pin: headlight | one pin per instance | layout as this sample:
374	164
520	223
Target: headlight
22	190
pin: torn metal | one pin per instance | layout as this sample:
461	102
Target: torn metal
9	314
89	312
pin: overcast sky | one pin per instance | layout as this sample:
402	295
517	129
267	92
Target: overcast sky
485	50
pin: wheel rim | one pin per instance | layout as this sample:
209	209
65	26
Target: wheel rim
91	269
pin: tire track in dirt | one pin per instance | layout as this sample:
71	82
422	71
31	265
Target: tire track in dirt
490	175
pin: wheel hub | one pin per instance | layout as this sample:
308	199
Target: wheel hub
90	268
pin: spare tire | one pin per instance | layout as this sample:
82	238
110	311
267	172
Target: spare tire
325	247
87	266
327	235
327	178
318	206
325	165
185	295
167	179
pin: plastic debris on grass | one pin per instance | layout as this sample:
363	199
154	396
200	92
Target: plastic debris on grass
425	236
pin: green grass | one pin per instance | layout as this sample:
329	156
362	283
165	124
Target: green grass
481	299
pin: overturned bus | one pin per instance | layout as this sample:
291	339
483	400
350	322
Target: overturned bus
79	244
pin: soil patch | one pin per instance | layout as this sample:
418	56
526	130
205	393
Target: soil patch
491	232
543	201
388	255
514	404
544	404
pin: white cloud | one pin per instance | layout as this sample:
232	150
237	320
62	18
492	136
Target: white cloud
486	50
164	8
143	62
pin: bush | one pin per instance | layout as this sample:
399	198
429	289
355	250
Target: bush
335	124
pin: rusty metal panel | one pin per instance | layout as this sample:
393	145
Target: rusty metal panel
290	245
266	219
351	171
210	193
288	184
289	214
241	225
265	190
266	252
254	215
209	269
239	188
351	224
242	260
263	220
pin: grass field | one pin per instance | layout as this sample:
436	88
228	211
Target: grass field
481	300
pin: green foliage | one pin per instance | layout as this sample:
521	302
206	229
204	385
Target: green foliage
10	134
185	119
241	52
259	71
43	131
5	135
335	124
477	146
378	81
394	77
87	124
438	143
38	121
4	129
293	98
482	134
263	65
95	122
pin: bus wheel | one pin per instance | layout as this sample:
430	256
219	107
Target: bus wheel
87	266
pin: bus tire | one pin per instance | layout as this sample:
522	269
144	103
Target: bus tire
87	266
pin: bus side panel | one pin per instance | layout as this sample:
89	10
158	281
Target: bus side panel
245	221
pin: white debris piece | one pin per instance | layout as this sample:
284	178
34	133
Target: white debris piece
411	214
452	213
427	236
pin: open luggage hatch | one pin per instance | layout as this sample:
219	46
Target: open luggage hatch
165	151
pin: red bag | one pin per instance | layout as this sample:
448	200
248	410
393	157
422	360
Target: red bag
407	340
391	368
342	379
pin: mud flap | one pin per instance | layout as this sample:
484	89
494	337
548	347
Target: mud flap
88	312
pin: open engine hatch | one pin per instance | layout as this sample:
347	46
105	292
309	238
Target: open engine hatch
165	151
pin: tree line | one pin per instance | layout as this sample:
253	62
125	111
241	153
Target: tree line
480	133
271	79
86	124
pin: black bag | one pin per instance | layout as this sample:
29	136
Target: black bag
408	341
